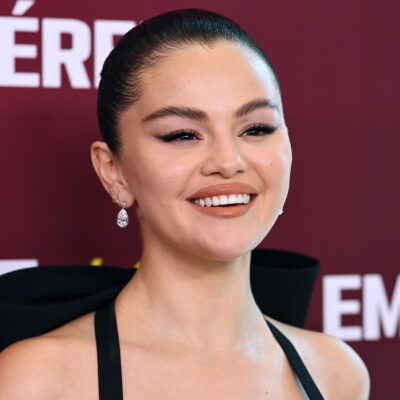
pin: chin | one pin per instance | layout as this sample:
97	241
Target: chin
227	250
229	247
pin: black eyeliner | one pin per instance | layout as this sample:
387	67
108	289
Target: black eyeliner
267	129
175	135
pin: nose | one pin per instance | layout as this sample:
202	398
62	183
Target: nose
224	157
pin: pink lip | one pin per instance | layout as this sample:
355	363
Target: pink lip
223	189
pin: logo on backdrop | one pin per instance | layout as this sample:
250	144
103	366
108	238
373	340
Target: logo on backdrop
16	264
48	33
22	263
22	6
380	315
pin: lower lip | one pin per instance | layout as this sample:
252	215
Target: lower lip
226	211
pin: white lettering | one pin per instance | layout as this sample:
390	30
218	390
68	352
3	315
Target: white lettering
73	59
9	51
104	32
377	308
22	6
13	265
54	57
334	306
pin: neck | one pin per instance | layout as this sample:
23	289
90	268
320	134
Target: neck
178	299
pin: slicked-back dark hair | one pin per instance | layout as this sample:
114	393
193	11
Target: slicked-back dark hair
145	46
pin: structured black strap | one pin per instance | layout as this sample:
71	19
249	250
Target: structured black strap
108	353
297	364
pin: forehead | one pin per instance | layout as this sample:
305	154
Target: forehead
218	77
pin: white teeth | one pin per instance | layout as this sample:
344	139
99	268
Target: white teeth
232	199
216	201
223	200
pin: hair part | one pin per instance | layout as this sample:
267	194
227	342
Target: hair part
145	46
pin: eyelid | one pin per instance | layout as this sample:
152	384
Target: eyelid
172	136
267	128
260	124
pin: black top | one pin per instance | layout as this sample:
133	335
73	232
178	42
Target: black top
109	358
34	301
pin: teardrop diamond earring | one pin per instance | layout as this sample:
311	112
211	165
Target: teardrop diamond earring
122	218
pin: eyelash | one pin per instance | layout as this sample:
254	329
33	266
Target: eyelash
178	136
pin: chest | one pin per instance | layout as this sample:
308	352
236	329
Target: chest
150	375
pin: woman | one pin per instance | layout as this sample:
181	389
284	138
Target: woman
197	146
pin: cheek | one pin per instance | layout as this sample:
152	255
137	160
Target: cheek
275	164
154	180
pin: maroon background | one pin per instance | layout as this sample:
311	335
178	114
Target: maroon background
338	64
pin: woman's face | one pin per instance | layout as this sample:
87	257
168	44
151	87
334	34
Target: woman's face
220	148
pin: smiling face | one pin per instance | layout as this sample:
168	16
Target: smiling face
237	134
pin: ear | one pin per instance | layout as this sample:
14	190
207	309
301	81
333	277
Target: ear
109	171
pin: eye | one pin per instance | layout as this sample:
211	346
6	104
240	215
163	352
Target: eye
188	135
180	136
260	130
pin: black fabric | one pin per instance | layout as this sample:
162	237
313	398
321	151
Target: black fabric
108	353
109	357
34	301
297	364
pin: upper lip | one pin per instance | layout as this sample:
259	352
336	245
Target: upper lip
223	189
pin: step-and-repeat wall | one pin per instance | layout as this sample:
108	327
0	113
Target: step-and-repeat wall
338	64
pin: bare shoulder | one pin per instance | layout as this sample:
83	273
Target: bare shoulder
337	369
29	369
40	368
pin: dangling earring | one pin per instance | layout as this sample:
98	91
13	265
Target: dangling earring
122	218
281	212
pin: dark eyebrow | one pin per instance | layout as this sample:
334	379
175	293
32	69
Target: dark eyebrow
199	115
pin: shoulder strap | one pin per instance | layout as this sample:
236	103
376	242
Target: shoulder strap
108	353
109	358
297	364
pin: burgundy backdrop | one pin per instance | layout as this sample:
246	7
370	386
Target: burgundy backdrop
338	64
